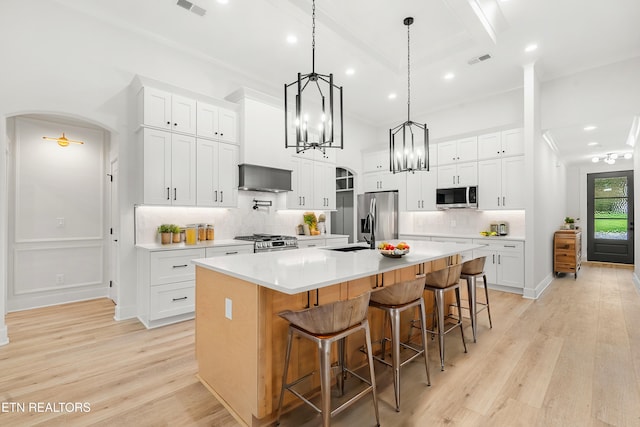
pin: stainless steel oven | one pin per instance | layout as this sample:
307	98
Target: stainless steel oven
270	242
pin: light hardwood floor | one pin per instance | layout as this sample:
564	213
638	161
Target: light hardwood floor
571	358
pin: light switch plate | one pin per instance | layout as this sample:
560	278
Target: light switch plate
228	308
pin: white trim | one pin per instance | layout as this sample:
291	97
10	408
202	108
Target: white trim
4	336
53	300
123	313
539	289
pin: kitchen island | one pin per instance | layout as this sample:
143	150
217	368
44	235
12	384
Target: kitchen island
240	339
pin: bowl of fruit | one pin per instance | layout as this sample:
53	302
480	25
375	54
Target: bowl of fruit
391	251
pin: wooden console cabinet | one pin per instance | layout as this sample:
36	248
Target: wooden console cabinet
567	250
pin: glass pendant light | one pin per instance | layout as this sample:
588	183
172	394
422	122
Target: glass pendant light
409	141
310	121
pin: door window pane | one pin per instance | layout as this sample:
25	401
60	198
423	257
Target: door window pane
610	208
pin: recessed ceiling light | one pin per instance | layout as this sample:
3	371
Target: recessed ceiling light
392	95
291	39
223	1
449	76
590	128
531	47
592	144
350	71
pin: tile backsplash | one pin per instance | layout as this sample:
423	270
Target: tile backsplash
460	221
228	222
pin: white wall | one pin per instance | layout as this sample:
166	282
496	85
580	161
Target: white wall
463	222
52	262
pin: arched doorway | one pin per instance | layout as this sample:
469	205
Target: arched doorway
57	211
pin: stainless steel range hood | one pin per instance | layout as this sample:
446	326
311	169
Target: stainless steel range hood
262	178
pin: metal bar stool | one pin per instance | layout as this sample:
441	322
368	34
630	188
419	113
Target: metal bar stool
324	325
471	271
394	300
439	282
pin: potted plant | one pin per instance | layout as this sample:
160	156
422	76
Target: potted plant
569	223
165	233
176	233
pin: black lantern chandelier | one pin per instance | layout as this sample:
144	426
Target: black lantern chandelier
313	119
409	141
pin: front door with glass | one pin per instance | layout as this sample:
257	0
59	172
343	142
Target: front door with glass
610	217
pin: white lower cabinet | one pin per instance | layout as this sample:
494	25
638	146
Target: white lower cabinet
504	265
167	282
311	243
229	250
166	285
336	241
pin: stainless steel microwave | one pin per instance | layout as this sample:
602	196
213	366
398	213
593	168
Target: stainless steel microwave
459	197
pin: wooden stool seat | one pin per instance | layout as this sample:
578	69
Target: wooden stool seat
324	325
393	300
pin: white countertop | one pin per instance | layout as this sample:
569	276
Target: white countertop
206	244
466	236
292	272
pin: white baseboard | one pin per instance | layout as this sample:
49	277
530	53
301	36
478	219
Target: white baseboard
539	289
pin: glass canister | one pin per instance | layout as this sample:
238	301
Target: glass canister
202	232
191	234
210	232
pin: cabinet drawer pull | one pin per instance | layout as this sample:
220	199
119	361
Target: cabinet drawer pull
312	246
180	266
513	246
179	299
175	193
168	193
231	253
221	196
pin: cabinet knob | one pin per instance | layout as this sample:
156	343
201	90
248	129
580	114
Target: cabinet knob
175	124
168	123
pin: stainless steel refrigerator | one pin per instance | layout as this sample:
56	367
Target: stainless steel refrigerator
383	207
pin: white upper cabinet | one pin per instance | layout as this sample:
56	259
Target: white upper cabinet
168	111
324	175
460	175
217	174
377	161
302	184
217	123
169	168
461	150
513	142
421	190
501	183
501	144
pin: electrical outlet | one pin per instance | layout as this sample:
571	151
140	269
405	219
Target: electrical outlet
60	279
228	308
60	222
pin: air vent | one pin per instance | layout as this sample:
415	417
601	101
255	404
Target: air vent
186	4
480	58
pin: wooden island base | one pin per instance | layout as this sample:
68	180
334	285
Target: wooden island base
241	358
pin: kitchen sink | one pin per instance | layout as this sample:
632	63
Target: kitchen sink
349	248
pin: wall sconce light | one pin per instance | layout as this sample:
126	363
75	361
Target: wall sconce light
62	141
